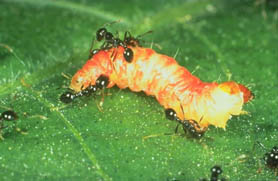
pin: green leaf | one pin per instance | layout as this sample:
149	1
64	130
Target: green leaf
130	138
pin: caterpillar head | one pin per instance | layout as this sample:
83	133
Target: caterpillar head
78	81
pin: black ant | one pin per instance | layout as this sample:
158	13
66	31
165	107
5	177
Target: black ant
271	158
189	126
215	172
101	83
7	116
111	41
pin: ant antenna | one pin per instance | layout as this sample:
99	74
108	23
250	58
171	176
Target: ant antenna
201	119
140	36
92	45
261	145
110	23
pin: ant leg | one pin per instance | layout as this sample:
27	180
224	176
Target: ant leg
91	48
127	35
176	129
114	55
100	103
101	83
259	144
105	46
1	127
1	137
20	131
92	51
191	128
117	34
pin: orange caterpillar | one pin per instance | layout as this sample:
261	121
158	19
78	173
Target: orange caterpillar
193	103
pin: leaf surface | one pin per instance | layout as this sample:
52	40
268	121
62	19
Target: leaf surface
130	138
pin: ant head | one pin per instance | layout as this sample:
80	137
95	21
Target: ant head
216	170
100	34
170	114
67	97
79	81
274	150
9	115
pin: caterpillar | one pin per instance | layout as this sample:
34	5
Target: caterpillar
188	100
